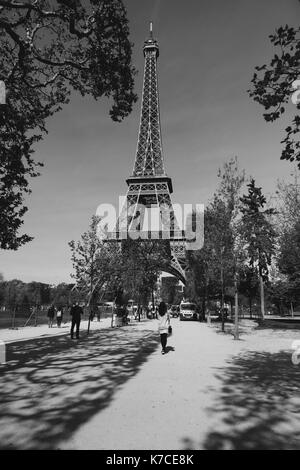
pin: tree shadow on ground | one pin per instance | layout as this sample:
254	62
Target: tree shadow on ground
244	328
259	404
53	385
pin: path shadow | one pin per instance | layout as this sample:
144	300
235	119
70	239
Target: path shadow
51	386
258	407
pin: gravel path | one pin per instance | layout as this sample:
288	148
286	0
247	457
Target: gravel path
114	390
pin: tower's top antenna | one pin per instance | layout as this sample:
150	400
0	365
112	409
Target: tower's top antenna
151	44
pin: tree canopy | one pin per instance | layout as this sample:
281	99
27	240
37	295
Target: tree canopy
47	49
257	231
273	86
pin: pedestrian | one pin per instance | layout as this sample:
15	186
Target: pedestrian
75	312
163	325
50	315
59	316
98	313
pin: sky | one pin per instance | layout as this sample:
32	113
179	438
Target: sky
208	52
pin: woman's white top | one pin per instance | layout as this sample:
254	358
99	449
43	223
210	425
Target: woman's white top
163	323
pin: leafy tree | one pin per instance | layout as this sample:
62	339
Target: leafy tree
15	292
47	49
273	86
232	181
37	293
197	276
25	306
142	262
258	234
281	294
288	203
61	294
169	289
289	261
212	269
95	263
248	284
127	270
221	241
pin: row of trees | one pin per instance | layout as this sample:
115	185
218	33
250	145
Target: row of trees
102	269
249	246
286	286
16	293
239	241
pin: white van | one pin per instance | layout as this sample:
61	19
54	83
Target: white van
188	311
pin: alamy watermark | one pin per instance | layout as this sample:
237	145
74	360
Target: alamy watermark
152	222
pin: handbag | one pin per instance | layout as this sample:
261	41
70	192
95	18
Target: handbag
170	330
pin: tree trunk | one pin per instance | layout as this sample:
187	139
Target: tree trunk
231	308
203	308
222	299
262	298
36	316
89	323
205	298
250	306
90	306
13	326
236	309
112	312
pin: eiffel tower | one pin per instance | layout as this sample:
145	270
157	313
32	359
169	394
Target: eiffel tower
149	185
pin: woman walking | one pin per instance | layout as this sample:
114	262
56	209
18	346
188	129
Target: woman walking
163	325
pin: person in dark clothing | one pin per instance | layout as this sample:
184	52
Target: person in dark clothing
76	312
50	315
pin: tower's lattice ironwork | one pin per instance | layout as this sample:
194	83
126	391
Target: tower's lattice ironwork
149	185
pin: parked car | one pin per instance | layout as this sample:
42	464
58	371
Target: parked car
188	311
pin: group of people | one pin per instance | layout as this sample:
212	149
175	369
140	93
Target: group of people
55	312
76	313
